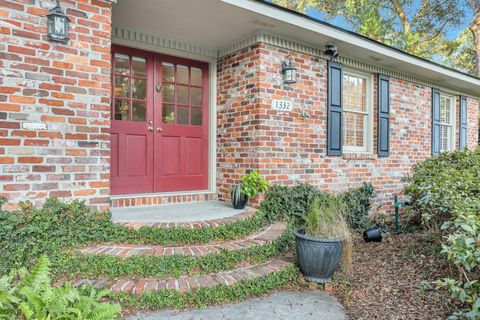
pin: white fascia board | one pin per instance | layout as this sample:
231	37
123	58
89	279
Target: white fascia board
358	41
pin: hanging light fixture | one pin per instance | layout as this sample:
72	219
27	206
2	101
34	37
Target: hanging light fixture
289	71
57	24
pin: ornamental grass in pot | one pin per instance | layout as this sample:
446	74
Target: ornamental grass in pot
325	241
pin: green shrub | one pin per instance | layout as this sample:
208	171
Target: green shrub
445	192
293	203
33	297
358	202
253	183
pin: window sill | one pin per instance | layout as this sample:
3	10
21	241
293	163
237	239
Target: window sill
358	156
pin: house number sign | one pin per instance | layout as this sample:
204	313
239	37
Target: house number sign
282	105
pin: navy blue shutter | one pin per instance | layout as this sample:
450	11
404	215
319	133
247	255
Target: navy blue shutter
334	109
463	122
435	122
383	134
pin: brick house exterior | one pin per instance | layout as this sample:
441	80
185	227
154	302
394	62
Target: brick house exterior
56	110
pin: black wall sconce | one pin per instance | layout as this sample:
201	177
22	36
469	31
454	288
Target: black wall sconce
289	71
57	24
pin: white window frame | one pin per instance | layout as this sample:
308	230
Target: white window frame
368	134
453	117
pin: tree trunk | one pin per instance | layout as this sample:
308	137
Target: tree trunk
475	29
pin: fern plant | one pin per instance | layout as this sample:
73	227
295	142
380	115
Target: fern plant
30	296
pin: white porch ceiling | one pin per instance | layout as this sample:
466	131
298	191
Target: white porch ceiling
216	24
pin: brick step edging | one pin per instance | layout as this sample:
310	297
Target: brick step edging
248	212
187	283
265	236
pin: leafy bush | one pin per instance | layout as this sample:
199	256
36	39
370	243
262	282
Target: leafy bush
358	202
253	183
293	203
445	191
33	297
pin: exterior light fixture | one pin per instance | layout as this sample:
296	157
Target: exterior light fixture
289	71
57	24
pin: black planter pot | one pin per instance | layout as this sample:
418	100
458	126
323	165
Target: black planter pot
318	257
372	235
241	203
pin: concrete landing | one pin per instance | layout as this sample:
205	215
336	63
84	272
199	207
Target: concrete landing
311	305
180	212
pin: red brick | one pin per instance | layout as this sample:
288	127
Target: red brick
30	159
21	50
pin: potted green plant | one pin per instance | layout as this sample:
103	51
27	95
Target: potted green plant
324	241
252	184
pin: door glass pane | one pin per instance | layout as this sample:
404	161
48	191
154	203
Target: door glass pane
139	67
182	94
196	96
182	115
122	87
168	71
138	111
182	74
122	64
121	109
138	89
197	116
168	93
196	75
168	114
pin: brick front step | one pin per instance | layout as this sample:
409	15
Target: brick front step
188	283
264	236
248	212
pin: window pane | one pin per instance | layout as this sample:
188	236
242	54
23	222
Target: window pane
182	115
122	87
196	75
168	114
197	116
139	67
182	94
122	64
138	111
348	129
121	109
168	93
359	129
168	72
445	135
196	96
182	74
138	89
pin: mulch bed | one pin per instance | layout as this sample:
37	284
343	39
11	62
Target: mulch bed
387	278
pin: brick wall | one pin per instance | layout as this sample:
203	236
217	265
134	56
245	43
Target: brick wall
290	149
55	103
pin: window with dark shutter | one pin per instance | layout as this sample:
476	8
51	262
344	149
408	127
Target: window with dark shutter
383	135
463	123
435	122
334	109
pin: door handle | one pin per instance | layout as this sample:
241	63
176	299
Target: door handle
150	129
159	130
158	87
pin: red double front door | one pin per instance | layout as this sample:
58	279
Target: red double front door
159	127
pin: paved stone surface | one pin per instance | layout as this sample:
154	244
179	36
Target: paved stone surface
187	283
190	215
306	305
264	236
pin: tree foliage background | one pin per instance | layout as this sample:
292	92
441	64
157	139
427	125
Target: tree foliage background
419	27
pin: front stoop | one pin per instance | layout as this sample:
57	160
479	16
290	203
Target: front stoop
189	283
265	236
248	212
122	201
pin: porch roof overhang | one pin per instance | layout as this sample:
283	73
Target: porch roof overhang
217	25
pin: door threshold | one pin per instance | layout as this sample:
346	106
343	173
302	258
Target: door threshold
155	199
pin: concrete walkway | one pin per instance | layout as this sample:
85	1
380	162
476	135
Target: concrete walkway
306	305
180	212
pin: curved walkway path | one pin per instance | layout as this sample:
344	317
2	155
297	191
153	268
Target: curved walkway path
285	305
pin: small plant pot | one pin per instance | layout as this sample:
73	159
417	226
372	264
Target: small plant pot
240	203
318	257
372	235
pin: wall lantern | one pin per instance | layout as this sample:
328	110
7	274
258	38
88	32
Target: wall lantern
57	24
289	71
